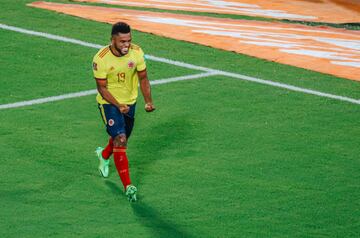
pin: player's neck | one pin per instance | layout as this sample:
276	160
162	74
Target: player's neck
115	52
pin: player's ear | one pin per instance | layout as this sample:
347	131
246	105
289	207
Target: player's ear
112	40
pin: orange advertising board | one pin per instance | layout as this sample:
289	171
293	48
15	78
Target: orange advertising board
332	11
326	50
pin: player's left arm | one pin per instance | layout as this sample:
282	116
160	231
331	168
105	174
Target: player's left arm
146	90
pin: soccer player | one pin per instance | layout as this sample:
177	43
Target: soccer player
118	70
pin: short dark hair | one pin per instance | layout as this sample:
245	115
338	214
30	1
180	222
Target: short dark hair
120	27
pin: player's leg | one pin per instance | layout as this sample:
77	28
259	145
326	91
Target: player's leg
122	165
104	154
116	129
131	190
108	150
129	120
120	159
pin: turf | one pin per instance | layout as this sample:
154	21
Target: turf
218	158
38	75
94	32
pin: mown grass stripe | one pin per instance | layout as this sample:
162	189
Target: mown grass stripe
94	91
191	66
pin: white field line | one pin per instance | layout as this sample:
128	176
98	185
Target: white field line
182	78
289	87
94	91
190	66
48	99
96	46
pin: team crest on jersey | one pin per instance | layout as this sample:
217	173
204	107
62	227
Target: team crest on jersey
131	64
94	66
111	122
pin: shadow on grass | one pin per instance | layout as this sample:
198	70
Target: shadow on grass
149	217
161	228
115	189
161	142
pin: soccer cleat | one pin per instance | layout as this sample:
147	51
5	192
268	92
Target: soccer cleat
131	193
103	163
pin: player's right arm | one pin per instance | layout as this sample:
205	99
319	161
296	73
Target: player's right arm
102	89
100	74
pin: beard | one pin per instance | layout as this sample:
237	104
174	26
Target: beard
122	51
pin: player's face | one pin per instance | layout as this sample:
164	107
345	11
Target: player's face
121	42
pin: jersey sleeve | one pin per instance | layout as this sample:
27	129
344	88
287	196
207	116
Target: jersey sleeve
99	68
141	65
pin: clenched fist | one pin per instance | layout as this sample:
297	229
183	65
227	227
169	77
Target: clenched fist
149	107
124	108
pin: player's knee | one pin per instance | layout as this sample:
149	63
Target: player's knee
120	140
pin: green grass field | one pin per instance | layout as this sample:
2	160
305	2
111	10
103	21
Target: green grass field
219	157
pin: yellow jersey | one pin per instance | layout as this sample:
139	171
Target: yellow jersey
120	73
